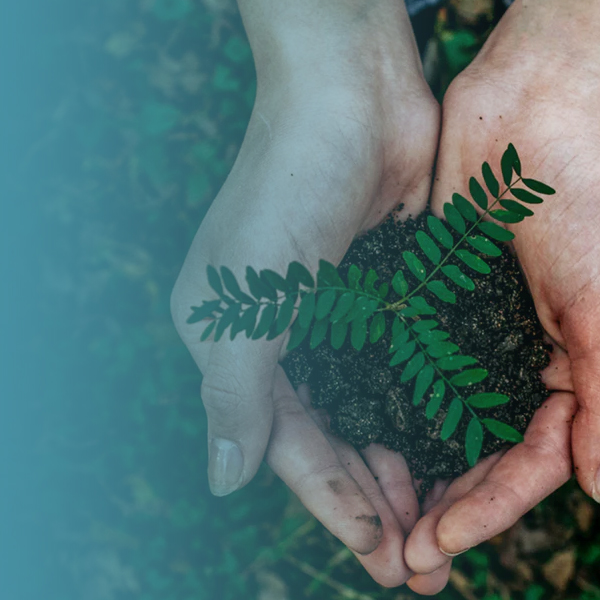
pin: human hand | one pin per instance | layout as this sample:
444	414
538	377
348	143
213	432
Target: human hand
343	129
535	83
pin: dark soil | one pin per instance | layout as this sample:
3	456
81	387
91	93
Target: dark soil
496	323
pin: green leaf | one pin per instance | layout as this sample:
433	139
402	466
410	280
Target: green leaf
505	216
214	280
328	276
473	441
383	290
354	276
429	247
422	383
399	340
439	232
414	365
363	308
429	337
439	349
458	277
490	181
201	312
267	316
502	430
516	161
258	288
338	334
452	419
344	304
453	363
403	353
483	245
227	318
424	325
377	328
525	196
539	187
208	331
325	303
273	279
247	321
468	377
473	261
515	207
298	273
487	400
399	284
358	334
397	327
284	316
306	310
318	333
233	287
421	306
369	284
454	218
441	291
414	265
297	335
508	163
495	232
439	390
466	209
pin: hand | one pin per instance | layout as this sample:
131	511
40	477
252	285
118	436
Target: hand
526	88
343	129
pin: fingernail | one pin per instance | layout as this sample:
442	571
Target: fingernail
450	554
596	487
225	466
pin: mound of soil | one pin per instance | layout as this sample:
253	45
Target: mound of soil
496	323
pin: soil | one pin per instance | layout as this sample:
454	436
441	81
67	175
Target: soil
363	396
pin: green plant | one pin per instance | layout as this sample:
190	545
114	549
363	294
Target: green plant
358	305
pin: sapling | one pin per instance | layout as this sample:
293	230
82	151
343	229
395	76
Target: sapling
359	309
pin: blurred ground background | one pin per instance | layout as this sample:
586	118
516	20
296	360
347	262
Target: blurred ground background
138	134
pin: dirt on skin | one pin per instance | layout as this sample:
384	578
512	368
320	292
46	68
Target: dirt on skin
496	323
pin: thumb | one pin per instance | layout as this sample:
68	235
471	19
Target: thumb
584	352
237	391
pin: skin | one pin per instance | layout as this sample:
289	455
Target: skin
344	127
536	83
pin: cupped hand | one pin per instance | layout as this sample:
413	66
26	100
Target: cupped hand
343	129
536	84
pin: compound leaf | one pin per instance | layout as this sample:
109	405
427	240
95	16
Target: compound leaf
502	430
324	304
526	196
484	245
452	419
370	280
466	209
421	306
506	216
436	335
233	287
214	279
399	284
403	353
318	333
429	247
298	273
515	207
473	441
338	334
306	310
284	316
414	365
354	276
453	363
267	316
258	288
328	276
439	232
439	349
377	327
495	232
468	377
358	334
208	331
297	335
424	325
343	306
414	265
273	279
227	318
539	187
199	313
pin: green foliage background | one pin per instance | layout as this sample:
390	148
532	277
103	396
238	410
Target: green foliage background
140	132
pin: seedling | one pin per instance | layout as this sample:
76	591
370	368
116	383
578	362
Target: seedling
356	306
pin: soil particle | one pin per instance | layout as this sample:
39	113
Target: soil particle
496	323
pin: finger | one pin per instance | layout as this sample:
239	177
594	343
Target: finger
520	479
422	553
237	394
431	584
301	455
385	564
395	481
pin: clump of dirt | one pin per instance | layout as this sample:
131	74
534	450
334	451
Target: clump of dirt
496	323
